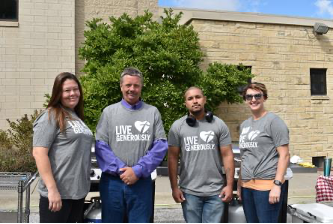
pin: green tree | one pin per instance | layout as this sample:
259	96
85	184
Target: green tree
169	56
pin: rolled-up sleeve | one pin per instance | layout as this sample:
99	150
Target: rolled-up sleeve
107	161
148	163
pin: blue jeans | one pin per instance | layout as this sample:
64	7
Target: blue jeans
198	209
120	200
257	208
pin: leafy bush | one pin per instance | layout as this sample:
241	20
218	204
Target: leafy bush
16	145
167	54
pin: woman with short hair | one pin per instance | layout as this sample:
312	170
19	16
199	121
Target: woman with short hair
264	145
61	147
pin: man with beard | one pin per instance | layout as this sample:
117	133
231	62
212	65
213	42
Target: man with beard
203	141
130	144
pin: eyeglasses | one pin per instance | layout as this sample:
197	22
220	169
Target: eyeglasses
249	97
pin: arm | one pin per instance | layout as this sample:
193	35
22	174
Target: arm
283	162
44	167
106	159
148	163
239	185
173	156
229	167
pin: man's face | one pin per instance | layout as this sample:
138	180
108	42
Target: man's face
131	88
195	101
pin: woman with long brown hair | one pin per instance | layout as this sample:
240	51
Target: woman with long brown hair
61	148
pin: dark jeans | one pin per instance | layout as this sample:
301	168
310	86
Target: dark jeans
257	207
120	200
70	212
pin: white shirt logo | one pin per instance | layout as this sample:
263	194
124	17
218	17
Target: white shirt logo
79	127
249	142
124	132
142	126
207	136
245	130
253	134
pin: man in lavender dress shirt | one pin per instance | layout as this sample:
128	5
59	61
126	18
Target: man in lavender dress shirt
130	144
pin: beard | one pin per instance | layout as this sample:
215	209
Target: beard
197	112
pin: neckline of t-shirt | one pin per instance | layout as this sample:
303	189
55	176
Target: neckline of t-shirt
203	120
253	120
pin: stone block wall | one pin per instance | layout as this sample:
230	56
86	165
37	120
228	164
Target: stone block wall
281	57
32	52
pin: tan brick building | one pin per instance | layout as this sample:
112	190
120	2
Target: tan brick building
44	42
283	52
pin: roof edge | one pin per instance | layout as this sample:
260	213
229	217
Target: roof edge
248	17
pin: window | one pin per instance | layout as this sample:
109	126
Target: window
8	10
318	81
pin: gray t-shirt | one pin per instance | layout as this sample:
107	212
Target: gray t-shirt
258	142
69	154
130	133
200	159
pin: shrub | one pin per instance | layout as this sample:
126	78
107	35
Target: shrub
168	55
16	145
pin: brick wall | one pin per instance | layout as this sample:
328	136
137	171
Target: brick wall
281	57
89	9
32	52
44	43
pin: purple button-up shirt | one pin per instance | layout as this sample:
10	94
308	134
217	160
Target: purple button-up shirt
110	163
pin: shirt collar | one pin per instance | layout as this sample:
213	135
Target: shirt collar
136	106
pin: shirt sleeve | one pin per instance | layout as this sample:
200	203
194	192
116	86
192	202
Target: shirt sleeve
148	163
224	137
102	128
159	132
173	137
279	132
45	130
107	161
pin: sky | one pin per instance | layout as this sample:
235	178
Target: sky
322	9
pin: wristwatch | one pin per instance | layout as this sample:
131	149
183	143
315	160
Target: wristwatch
277	183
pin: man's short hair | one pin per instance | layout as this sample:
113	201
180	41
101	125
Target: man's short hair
193	87
132	72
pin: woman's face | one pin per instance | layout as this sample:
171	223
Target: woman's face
255	100
70	94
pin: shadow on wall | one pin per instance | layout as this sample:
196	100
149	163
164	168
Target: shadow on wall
233	115
325	42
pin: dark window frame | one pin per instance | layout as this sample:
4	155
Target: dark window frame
318	81
17	14
240	89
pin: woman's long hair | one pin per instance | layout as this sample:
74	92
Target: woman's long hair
55	106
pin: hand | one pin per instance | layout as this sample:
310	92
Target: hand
55	202
128	176
226	194
274	195
178	195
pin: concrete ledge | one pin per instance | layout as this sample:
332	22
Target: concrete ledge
320	98
9	24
